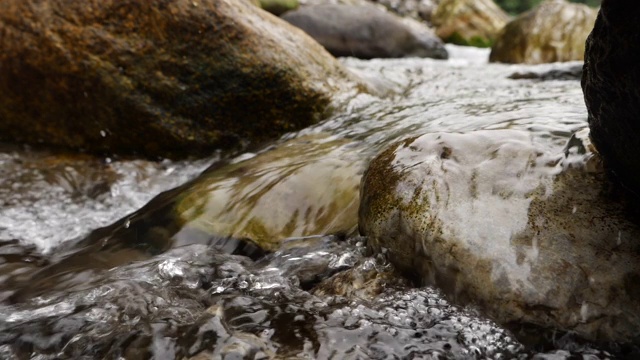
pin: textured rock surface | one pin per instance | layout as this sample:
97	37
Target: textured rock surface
493	219
469	22
611	85
165	78
365	32
554	31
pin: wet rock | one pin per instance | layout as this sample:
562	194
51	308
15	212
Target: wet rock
611	92
279	7
365	32
469	22
170	78
493	219
554	31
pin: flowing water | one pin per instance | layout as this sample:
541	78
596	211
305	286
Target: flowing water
318	296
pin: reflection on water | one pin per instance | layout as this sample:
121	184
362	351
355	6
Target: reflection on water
313	297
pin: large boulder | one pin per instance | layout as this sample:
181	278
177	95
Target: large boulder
469	22
611	85
159	78
365	32
554	31
495	219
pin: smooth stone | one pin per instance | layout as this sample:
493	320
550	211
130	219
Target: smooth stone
495	219
469	22
554	31
173	78
610	82
365	32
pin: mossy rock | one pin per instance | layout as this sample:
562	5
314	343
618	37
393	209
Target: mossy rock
279	7
163	78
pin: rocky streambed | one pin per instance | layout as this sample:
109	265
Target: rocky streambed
260	256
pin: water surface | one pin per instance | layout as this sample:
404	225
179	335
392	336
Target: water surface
316	296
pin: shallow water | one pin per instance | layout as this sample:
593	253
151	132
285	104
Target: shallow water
315	297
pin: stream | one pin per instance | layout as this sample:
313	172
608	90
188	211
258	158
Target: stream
315	297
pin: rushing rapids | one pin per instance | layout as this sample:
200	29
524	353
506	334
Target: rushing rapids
65	294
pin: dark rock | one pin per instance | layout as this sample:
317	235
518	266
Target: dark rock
161	78
365	32
571	73
611	85
554	31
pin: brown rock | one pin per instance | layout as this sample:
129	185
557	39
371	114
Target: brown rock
469	22
554	31
161	78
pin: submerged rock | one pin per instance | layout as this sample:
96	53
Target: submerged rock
494	220
554	31
611	85
169	78
307	186
469	22
365	32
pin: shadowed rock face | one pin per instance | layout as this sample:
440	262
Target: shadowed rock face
495	220
611	85
365	32
554	31
161	78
